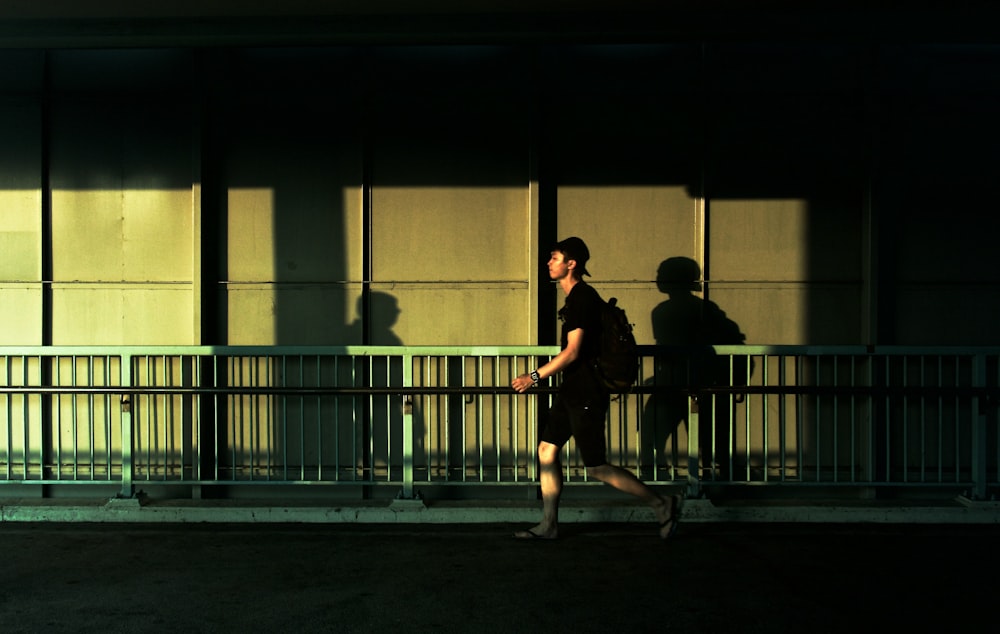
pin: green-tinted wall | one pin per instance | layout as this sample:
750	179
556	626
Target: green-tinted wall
829	192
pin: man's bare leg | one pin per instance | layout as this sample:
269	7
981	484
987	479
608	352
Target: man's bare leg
551	480
625	481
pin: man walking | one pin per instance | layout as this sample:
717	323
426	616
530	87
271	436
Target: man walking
581	406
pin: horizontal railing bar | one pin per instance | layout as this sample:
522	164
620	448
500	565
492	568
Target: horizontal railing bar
839	484
914	391
488	351
848	484
278	351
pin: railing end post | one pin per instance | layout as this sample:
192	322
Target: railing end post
412	502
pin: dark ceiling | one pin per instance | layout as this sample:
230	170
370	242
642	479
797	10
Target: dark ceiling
104	23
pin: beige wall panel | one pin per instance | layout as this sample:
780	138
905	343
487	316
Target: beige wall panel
460	315
262	314
786	240
929	250
21	314
630	229
759	240
315	240
295	227
87	236
20	194
792	314
838	233
157	238
450	233
20	235
950	248
947	315
121	177
135	236
20	188
766	314
158	315
788	271
20	218
250	234
115	315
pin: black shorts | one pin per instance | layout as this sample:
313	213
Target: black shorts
582	420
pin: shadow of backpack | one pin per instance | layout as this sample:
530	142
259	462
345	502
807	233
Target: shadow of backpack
719	329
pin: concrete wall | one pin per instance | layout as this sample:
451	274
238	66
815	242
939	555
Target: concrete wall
829	193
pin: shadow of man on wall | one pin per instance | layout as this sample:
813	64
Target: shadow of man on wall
381	446
685	328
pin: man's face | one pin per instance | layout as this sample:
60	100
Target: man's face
559	266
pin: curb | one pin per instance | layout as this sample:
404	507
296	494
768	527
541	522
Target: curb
117	510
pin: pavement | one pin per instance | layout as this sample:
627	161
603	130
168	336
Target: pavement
438	577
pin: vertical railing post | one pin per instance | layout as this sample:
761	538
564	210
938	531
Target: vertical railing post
128	489
870	422
979	417
694	458
407	492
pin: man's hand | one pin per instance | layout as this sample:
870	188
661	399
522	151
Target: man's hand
522	383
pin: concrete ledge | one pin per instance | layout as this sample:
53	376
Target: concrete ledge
471	512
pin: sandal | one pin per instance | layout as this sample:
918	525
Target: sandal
531	535
669	526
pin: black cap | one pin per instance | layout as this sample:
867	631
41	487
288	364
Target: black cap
574	249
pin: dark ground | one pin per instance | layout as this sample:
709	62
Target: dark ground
476	578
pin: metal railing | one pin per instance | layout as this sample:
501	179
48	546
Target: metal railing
419	417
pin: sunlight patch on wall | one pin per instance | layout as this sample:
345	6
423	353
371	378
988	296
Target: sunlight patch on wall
449	233
251	234
20	235
122	235
758	258
664	216
122	266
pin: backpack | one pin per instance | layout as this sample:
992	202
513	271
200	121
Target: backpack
617	365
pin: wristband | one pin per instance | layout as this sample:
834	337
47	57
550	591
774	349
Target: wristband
534	376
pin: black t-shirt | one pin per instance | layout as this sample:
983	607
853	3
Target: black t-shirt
582	310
